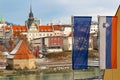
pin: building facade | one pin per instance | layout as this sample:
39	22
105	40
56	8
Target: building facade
34	30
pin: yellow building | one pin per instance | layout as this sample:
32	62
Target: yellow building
114	74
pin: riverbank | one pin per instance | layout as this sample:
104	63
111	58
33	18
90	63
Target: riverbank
36	71
52	62
91	72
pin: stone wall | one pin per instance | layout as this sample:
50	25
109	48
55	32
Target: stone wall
24	64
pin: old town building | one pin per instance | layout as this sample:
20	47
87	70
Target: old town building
21	57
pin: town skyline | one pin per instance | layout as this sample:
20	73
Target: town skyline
17	12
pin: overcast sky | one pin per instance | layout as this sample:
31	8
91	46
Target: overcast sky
17	11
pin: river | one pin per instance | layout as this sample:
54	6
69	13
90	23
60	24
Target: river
79	74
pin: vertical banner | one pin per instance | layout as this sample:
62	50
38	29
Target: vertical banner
81	31
108	42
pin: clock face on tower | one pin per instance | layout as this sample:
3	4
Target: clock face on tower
80	43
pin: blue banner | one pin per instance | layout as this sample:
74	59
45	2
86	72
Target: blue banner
81	31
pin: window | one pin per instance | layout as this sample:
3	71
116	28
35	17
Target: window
50	34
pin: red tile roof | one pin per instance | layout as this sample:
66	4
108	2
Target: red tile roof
19	28
23	52
45	28
41	28
6	28
58	27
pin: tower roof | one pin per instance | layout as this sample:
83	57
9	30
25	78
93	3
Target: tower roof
31	13
21	51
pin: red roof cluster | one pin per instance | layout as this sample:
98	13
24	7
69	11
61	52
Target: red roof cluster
58	27
19	28
41	28
45	28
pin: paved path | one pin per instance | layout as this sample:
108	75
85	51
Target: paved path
45	62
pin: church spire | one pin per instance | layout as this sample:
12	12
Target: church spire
31	14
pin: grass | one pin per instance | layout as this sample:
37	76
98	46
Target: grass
59	56
93	54
67	55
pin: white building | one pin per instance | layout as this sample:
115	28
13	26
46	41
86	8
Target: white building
67	30
94	27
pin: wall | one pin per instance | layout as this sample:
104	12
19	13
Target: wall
24	63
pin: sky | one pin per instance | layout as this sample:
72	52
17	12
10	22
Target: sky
55	11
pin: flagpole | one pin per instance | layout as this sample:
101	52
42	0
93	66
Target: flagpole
72	74
99	46
72	21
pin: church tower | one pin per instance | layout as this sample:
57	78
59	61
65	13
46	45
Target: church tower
32	23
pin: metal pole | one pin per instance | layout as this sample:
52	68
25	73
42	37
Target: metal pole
72	21
99	46
72	74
